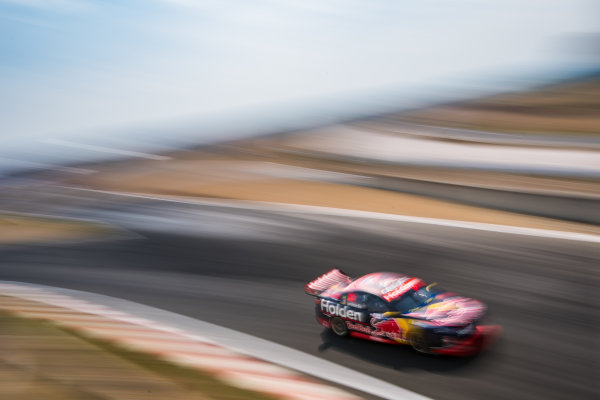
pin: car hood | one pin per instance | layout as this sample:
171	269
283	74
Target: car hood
450	310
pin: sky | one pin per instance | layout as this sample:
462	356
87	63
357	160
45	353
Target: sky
79	68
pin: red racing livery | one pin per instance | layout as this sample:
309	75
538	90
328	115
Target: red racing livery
398	309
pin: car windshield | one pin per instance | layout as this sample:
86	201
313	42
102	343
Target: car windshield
415	298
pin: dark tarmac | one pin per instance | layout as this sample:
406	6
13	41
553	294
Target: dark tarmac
244	269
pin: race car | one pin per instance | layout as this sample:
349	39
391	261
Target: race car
398	309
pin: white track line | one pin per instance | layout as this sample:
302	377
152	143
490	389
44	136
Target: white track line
54	167
238	342
341	212
104	149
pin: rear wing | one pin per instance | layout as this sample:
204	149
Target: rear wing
325	281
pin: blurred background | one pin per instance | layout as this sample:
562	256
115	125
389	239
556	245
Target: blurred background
171	152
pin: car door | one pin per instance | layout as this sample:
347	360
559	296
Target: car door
403	325
382	326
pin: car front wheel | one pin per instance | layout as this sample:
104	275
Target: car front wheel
419	342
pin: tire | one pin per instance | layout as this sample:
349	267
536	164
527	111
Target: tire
338	326
419	342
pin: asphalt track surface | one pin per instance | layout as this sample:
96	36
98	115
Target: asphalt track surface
244	269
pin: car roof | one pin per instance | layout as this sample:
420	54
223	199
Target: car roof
378	283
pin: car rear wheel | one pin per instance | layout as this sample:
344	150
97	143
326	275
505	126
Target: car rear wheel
339	327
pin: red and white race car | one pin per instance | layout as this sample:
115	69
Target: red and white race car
398	309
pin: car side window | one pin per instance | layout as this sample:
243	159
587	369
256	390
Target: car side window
356	299
405	303
376	305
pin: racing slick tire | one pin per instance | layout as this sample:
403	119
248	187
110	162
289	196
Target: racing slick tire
338	326
420	342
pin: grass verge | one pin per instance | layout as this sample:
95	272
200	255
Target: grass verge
40	360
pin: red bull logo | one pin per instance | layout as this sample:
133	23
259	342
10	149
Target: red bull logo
387	327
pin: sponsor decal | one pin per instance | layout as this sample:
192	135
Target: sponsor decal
359	327
389	286
357	305
388	328
332	308
352	301
398	290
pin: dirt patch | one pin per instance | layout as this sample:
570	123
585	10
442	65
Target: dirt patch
26	229
569	107
195	181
